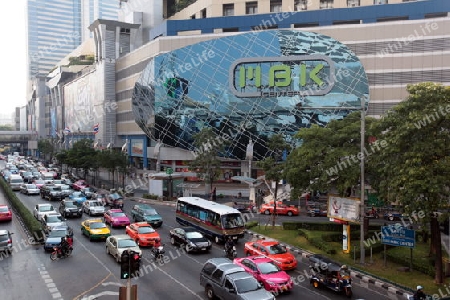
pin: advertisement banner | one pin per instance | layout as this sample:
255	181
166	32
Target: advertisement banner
346	209
137	147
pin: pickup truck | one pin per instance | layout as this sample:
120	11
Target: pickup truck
219	277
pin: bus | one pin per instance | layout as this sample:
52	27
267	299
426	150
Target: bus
216	221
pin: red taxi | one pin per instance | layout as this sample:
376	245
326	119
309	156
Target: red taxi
274	250
144	234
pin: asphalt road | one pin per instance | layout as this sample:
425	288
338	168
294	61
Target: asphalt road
92	274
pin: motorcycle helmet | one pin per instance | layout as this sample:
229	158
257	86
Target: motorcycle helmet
419	287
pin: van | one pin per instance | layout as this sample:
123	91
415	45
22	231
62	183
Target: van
15	181
47	176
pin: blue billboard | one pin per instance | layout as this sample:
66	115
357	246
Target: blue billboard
397	235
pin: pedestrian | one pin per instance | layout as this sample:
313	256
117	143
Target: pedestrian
213	194
419	294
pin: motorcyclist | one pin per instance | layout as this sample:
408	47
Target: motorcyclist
419	294
66	243
229	244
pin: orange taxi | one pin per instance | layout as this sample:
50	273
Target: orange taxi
144	234
282	209
274	250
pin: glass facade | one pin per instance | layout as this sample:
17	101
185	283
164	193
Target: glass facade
246	87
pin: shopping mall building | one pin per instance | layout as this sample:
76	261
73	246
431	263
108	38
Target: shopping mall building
247	69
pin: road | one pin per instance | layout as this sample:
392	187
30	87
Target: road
91	274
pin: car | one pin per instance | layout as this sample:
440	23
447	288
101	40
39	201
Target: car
395	216
144	234
274	250
116	218
116	244
66	190
95	229
41	209
69	208
68	182
78	196
5	213
79	184
27	176
6	244
146	213
54	237
316	210
93	208
29	189
189	238
88	192
267	272
51	220
281	209
114	200
39	183
51	192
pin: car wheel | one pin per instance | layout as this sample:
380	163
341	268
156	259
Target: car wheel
90	237
138	243
289	213
90	213
209	292
172	241
267	212
391	218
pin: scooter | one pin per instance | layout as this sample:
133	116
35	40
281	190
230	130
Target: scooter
231	252
158	253
58	253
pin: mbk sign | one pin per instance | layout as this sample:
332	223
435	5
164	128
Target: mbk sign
259	77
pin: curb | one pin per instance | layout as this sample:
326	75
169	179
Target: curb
363	277
148	201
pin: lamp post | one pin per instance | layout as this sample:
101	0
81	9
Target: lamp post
249	156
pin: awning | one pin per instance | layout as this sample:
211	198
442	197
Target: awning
247	180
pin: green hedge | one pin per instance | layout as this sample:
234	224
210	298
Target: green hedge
33	226
321	226
424	266
251	224
317	242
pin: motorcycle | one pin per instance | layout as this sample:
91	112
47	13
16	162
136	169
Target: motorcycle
59	253
158	253
114	200
231	252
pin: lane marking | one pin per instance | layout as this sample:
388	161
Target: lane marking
51	286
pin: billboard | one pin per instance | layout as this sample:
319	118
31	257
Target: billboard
346	209
137	147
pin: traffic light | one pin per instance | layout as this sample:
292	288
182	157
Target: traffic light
125	265
135	264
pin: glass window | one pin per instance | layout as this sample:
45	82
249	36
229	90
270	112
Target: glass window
251	8
301	5
217	275
353	3
246	285
232	221
275	6
326	4
146	229
228	10
209	268
380	1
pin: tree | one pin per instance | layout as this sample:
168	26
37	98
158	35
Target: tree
413	170
82	156
273	165
208	147
330	156
6	128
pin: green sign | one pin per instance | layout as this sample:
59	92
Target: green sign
169	171
307	75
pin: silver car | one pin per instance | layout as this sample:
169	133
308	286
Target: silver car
29	189
116	244
93	207
6	241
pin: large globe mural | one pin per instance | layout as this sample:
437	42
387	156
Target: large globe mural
248	87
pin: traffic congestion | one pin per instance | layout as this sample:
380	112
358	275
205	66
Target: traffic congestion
87	234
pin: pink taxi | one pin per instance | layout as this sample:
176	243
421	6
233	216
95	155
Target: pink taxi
116	218
266	271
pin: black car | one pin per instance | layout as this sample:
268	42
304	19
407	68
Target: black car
69	208
54	237
51	192
190	239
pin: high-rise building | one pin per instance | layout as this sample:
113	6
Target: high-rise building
56	27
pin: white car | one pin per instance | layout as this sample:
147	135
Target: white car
29	189
93	207
52	220
42	209
116	244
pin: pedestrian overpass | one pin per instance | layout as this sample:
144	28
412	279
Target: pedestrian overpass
20	137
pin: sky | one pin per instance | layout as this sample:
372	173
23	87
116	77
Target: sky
13	52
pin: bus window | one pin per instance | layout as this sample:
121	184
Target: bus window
232	221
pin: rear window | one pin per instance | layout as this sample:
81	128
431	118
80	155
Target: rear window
3	237
208	268
4	209
16	180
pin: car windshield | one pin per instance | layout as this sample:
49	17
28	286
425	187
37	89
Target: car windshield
96	203
3	237
193	235
16	181
246	285
56	188
65	187
268	268
115	196
150	212
126	244
77	194
46	208
71	205
4	209
57	233
39	181
54	219
118	214
232	221
146	229
277	249
31	186
98	225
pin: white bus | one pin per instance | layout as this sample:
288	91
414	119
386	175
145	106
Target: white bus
214	220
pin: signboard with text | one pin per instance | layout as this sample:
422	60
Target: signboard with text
346	209
397	235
